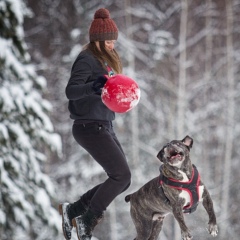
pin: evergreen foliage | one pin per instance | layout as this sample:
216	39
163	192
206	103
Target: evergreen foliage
26	134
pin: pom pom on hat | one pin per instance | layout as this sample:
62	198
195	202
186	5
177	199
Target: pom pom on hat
102	13
102	27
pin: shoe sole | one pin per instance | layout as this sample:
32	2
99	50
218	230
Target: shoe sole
60	210
75	225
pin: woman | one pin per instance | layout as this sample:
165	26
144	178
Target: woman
92	127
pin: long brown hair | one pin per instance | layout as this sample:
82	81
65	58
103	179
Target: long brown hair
111	58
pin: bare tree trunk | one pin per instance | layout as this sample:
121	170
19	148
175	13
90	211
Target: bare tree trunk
182	69
207	78
113	221
134	112
230	120
182	85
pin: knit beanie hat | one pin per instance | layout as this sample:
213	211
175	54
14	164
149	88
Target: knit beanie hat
102	27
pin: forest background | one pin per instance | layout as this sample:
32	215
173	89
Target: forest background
185	56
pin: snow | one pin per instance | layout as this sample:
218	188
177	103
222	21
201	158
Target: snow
41	81
73	53
75	33
136	100
20	217
3	130
25	131
43	199
22	138
17	8
160	39
3	217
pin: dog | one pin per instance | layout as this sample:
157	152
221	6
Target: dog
177	190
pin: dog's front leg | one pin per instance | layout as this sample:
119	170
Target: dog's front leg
178	214
208	205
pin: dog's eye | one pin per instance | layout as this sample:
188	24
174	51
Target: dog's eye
167	145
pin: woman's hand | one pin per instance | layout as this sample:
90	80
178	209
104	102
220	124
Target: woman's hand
99	83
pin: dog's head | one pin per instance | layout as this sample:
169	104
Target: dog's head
175	152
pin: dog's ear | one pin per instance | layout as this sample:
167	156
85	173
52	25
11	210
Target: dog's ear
160	155
188	141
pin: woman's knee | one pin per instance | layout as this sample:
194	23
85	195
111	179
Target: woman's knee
127	186
124	177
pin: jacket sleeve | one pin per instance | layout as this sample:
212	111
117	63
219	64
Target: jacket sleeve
78	85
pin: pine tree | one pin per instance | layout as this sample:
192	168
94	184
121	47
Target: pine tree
26	133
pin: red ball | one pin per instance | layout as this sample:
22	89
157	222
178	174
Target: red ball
120	93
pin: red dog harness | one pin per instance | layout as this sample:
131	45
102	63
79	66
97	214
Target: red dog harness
191	186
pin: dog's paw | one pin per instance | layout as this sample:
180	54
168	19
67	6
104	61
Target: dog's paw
213	229
186	236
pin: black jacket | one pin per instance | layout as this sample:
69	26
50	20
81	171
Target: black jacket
84	103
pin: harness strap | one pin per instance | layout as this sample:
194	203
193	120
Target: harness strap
191	186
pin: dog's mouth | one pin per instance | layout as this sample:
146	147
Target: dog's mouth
175	155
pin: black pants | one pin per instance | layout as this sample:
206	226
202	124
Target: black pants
102	144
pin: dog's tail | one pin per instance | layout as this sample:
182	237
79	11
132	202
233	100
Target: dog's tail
127	198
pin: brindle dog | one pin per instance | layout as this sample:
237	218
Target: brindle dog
152	202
